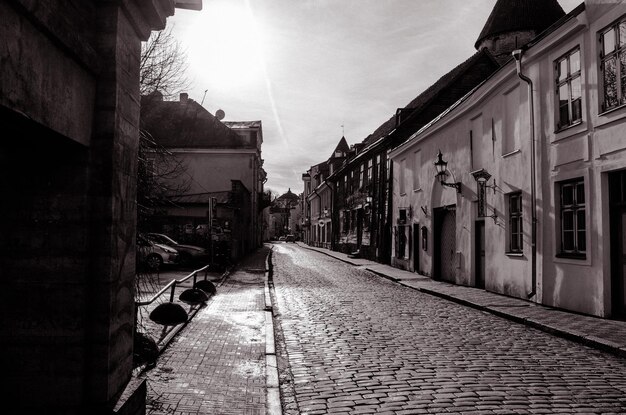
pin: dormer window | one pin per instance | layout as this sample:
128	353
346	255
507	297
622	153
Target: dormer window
338	154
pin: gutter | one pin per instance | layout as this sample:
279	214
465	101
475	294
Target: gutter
517	55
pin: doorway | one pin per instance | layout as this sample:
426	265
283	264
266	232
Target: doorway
479	252
416	248
617	218
445	244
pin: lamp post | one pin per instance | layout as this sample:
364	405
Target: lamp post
442	172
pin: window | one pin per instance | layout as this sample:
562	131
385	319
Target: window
361	175
402	216
417	165
346	221
515	222
573	218
512	129
613	65
568	89
401	169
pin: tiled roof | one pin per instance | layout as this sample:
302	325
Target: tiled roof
176	124
521	15
429	96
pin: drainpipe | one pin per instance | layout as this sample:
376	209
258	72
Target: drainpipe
517	55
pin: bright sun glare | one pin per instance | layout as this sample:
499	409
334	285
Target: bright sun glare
225	44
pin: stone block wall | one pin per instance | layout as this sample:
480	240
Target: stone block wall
69	107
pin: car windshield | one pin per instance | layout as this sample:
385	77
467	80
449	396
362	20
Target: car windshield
163	239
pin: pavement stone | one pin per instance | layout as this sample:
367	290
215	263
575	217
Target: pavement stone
217	363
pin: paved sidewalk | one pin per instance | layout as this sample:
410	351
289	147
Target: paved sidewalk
603	334
219	362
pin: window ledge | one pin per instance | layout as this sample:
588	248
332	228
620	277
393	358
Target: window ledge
514	254
511	153
610	110
572	256
567	127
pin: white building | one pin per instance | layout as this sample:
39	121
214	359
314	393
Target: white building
539	151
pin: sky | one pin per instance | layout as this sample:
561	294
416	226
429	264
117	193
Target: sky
314	70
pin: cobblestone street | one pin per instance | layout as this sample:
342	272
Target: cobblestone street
358	343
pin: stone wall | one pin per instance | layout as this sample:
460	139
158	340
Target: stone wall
69	107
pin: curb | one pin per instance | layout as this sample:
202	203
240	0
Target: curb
580	338
273	404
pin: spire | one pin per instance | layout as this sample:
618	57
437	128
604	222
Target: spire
513	23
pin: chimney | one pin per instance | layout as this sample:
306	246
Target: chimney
184	97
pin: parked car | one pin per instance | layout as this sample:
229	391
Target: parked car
152	256
282	238
290	238
187	253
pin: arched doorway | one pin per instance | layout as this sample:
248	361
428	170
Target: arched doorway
445	243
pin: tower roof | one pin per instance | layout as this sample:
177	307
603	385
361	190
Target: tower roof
520	15
288	196
342	147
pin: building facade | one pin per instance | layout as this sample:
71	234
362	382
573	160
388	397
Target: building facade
219	161
363	202
69	104
539	153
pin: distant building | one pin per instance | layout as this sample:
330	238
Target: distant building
217	162
362	202
317	198
281	212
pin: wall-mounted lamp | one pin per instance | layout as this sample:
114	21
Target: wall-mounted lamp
482	176
442	172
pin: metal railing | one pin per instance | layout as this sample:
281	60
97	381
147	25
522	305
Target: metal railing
172	285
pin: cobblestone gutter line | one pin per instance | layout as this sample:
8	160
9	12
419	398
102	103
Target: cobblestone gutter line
273	403
287	403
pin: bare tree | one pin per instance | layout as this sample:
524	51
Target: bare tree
163	65
160	175
163	68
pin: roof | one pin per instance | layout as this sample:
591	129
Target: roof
288	195
342	147
430	95
186	124
520	15
235	125
577	10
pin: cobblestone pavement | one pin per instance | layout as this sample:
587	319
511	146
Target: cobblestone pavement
357	344
216	365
